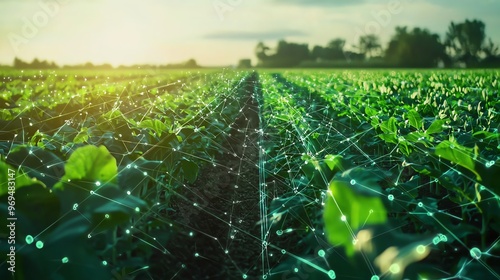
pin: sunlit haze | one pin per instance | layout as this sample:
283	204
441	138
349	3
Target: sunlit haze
212	32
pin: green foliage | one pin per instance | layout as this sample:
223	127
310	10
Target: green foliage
352	204
90	163
458	154
96	186
17	178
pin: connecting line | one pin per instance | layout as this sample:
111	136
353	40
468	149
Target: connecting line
262	179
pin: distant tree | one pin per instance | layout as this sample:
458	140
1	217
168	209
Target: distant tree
191	63
334	50
465	41
35	64
18	63
490	49
354	56
318	53
245	63
285	55
368	44
261	52
336	44
492	58
417	48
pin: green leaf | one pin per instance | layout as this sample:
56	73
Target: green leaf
415	119
369	111
37	163
389	126
389	130
436	127
20	178
389	138
156	125
458	154
354	194
82	136
189	169
334	162
90	163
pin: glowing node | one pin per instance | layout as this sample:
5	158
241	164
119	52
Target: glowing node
420	204
475	253
92	192
191	234
128	192
196	254
127	231
395	268
390	197
39	244
75	206
343	218
137	209
65	260
321	253
420	249
279	232
353	182
283	251
106	216
105	263
443	237
29	239
332	274
436	240
375	277
244	276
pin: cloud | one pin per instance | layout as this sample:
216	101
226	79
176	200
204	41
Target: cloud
322	3
253	36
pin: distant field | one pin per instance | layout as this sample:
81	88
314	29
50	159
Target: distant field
242	174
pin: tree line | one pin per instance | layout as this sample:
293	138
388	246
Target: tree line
44	64
465	45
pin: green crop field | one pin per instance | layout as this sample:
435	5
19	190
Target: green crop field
233	174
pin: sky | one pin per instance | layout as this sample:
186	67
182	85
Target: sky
213	32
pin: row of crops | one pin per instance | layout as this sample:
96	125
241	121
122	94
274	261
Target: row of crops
361	174
398	171
96	162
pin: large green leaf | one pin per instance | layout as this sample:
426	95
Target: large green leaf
458	154
436	127
353	202
90	163
415	119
